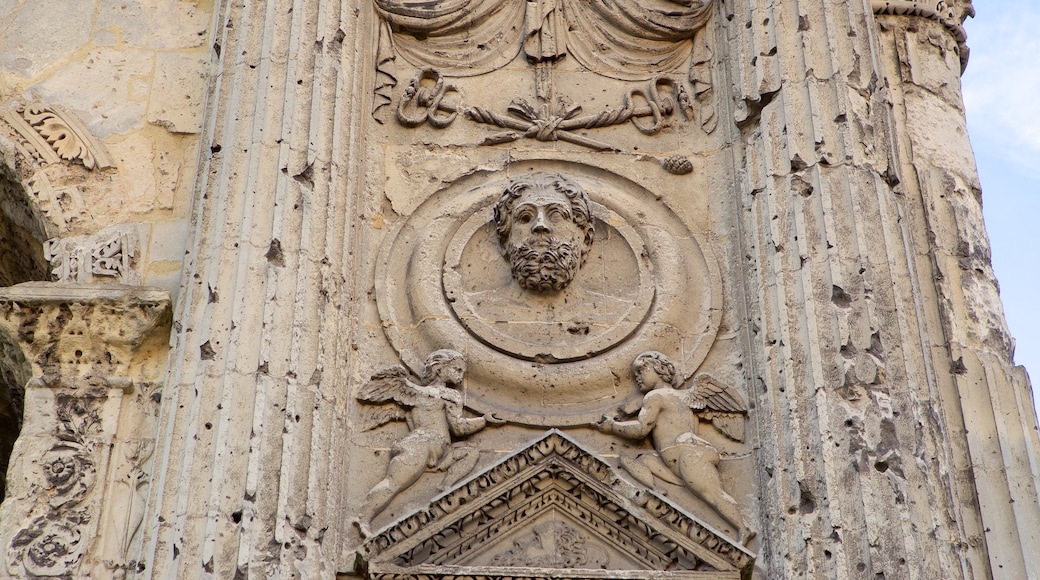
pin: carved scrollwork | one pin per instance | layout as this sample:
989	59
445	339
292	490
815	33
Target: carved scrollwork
109	255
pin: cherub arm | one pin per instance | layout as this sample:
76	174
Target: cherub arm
638	428
461	425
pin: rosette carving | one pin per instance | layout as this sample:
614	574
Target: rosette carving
51	545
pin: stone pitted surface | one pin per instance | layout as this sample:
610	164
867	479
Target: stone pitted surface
88	427
502	289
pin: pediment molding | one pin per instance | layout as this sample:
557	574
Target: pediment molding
462	532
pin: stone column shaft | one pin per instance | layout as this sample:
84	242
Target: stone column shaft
245	485
859	460
988	398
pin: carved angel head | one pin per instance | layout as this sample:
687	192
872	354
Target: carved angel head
445	365
545	229
652	368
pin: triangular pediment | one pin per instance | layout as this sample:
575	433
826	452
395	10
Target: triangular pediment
552	510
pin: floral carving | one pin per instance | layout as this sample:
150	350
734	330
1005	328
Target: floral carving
52	545
48	547
69	471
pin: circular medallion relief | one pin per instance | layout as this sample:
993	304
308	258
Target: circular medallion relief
550	277
608	299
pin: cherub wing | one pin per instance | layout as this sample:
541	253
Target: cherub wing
389	394
721	405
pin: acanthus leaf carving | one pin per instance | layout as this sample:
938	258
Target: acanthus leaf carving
81	331
50	134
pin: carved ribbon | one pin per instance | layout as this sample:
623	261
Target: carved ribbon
426	101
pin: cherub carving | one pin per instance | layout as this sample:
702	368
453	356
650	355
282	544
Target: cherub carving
433	411
671	416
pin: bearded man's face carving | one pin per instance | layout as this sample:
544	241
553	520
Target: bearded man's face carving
545	229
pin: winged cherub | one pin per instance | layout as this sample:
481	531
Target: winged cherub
433	411
671	416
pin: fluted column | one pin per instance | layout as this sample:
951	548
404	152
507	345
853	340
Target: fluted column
989	399
865	468
243	485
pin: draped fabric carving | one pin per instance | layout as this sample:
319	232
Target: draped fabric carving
466	37
621	39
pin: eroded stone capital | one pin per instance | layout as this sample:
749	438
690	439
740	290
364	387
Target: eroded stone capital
951	14
80	330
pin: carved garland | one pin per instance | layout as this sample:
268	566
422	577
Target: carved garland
466	38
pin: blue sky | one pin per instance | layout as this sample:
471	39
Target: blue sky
1001	93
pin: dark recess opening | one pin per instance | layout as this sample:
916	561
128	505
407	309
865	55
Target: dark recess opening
21	260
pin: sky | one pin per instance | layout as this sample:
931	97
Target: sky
1001	86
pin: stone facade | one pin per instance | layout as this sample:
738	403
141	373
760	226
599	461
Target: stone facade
501	289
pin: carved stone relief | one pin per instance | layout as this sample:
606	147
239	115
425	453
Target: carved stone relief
550	319
52	542
552	274
50	134
109	255
429	99
660	43
553	544
670	417
80	342
433	410
551	510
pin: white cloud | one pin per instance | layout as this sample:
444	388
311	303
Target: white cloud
1002	83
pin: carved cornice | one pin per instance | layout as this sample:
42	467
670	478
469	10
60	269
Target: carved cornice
80	330
553	475
50	134
950	14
